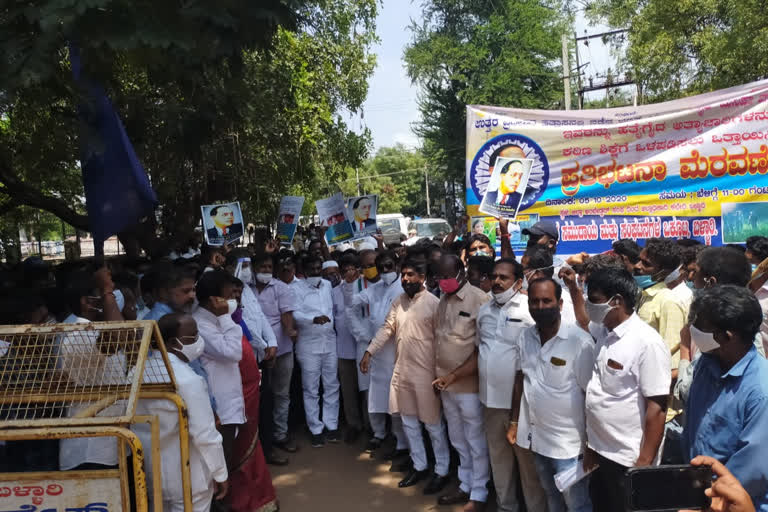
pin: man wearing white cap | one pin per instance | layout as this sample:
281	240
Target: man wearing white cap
316	352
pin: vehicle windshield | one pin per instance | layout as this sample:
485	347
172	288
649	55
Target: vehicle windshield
433	229
389	226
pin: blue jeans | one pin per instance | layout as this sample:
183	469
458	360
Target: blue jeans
573	499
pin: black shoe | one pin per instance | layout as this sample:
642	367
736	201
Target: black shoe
318	441
332	436
352	435
274	459
400	466
394	453
287	445
413	477
455	498
373	444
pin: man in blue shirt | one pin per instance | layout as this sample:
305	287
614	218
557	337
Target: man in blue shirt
173	290
727	408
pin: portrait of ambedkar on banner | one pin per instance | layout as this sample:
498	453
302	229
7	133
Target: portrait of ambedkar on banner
221	225
508	193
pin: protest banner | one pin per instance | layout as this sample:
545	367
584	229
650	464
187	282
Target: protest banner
505	188
361	212
288	218
222	223
333	214
689	168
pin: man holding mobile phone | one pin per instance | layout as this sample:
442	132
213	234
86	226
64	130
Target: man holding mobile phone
627	395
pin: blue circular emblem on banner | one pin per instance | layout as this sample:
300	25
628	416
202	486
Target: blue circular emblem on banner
511	145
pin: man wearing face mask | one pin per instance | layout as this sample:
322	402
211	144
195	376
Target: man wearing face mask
659	306
223	350
499	322
727	408
346	352
410	326
626	398
538	263
316	353
366	314
548	406
207	466
543	233
455	335
90	362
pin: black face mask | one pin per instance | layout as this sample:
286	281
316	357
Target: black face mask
334	279
545	317
411	288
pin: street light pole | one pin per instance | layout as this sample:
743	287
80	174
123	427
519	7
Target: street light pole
426	182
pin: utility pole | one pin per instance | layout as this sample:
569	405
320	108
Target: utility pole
610	82
578	74
357	177
426	183
566	74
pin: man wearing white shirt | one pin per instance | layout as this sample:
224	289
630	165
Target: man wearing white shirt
346	353
555	367
207	465
316	352
366	314
88	362
223	350
627	395
500	321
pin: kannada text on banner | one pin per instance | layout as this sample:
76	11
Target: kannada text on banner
689	168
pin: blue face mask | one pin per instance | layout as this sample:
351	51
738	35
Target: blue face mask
754	268
690	285
644	282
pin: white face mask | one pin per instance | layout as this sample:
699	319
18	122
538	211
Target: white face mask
673	276
505	296
119	299
231	306
525	283
193	351
314	282
598	312
263	278
246	275
704	340
389	277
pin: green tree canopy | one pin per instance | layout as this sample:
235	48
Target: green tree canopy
680	47
223	100
493	52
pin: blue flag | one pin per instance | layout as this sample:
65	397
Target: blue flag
117	190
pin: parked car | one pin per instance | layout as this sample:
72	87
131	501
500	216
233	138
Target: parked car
392	225
429	228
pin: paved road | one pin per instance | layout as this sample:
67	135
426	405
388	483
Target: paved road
339	477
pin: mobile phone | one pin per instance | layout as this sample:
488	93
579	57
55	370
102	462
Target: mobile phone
667	488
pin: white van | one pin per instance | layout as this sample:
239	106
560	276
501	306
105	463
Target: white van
392	225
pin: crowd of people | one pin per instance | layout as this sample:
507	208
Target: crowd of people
524	368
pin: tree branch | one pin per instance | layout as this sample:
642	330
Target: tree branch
24	194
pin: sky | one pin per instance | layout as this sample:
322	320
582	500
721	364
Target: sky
390	108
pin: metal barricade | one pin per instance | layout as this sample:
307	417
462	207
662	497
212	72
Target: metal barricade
70	381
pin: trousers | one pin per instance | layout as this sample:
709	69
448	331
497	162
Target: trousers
201	502
314	369
379	427
466	431
350	395
266	406
575	498
510	462
607	486
437	436
281	389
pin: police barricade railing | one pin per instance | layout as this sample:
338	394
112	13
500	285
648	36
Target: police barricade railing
69	381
